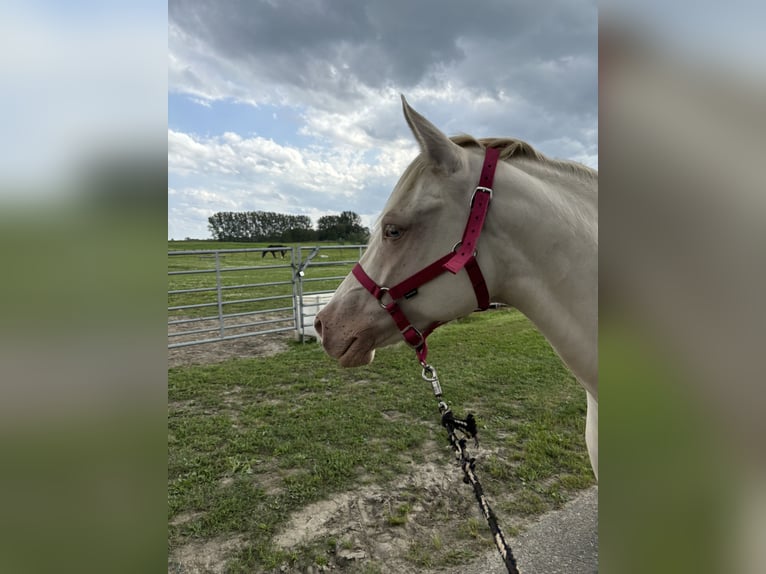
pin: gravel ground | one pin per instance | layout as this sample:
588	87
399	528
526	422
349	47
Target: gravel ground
561	541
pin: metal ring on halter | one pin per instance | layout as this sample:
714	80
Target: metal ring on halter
381	292
417	332
458	244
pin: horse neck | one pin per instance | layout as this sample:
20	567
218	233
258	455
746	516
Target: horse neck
542	238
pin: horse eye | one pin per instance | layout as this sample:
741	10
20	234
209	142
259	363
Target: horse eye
391	231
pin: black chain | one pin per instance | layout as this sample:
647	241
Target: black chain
469	429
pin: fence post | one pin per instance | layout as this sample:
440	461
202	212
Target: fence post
219	293
300	297
296	265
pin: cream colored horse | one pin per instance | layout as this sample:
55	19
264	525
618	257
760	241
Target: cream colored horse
538	252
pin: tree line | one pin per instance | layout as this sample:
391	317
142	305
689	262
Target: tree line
272	226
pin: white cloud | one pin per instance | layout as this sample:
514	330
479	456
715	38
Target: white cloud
201	102
234	173
340	170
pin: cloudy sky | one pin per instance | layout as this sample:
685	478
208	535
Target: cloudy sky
293	106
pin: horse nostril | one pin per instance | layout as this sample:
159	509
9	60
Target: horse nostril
318	326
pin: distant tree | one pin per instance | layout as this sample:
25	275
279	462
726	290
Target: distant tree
272	226
259	226
327	227
296	234
344	227
351	228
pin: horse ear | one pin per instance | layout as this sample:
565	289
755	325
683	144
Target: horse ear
433	143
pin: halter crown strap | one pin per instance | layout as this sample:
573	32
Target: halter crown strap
479	208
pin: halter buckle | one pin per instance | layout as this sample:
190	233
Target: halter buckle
417	344
483	190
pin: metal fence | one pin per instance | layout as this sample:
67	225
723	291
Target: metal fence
318	277
222	294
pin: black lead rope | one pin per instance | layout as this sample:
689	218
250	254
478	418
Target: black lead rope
469	429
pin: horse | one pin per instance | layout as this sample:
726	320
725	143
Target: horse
275	250
537	251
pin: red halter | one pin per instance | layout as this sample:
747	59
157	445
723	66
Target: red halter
462	255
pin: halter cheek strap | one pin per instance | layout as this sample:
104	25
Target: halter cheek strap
462	256
479	207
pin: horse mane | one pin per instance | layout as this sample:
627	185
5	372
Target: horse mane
512	148
571	212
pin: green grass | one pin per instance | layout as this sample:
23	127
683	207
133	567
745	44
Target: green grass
251	441
399	516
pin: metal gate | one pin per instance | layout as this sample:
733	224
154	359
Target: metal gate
321	270
222	294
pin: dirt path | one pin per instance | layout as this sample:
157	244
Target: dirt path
561	541
209	353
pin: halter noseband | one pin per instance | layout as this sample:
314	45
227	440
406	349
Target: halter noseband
463	255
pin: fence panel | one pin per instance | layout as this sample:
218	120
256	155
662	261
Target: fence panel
221	294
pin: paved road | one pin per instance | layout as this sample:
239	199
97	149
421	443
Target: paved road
562	541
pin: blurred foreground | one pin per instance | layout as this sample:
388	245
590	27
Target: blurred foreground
682	274
82	297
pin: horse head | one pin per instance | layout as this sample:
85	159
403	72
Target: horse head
422	220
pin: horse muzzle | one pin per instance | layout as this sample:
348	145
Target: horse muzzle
351	345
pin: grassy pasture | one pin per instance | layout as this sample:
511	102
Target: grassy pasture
253	441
